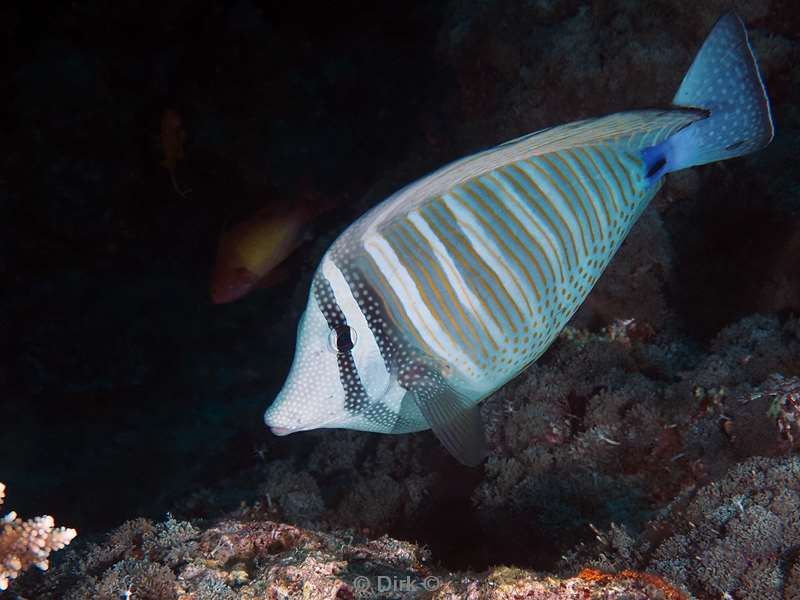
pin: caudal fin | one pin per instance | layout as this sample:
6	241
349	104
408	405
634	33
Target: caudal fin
724	81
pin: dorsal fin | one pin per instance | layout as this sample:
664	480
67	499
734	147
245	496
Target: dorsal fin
636	129
625	128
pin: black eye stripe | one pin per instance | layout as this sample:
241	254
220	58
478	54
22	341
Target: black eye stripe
356	399
355	395
333	314
327	303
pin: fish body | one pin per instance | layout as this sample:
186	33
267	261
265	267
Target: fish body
448	289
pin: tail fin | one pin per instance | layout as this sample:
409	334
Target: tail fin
724	81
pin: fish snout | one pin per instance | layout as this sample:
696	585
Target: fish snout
279	424
281	431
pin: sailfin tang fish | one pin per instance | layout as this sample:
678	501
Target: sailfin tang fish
449	288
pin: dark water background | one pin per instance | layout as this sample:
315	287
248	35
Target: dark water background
122	383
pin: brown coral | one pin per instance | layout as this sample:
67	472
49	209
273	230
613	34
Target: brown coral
26	543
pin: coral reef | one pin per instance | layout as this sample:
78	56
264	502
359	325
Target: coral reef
26	543
735	537
369	482
738	536
590	448
609	427
248	556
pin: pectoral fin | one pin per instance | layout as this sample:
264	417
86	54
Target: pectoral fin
457	425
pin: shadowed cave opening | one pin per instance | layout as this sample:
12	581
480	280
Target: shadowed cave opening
534	534
530	528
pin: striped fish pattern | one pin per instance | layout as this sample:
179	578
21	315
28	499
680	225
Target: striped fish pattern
485	274
444	292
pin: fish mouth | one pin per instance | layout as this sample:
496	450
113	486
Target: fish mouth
281	431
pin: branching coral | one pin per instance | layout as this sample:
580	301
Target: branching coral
26	543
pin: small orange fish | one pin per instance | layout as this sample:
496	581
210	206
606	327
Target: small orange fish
173	137
250	252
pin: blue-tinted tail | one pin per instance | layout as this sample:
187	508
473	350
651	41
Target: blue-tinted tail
724	81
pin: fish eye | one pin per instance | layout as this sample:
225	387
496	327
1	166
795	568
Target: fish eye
342	338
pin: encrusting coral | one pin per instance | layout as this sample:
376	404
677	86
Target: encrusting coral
26	543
